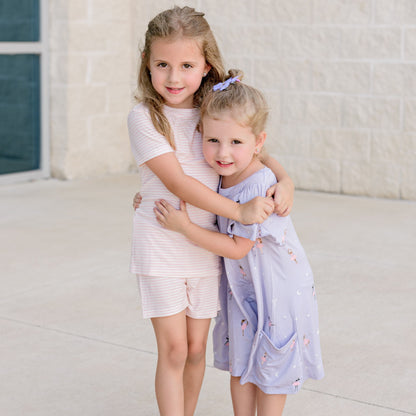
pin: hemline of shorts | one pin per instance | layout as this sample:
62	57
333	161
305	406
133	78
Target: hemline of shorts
167	296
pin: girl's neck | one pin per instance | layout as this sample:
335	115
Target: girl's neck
232	180
179	108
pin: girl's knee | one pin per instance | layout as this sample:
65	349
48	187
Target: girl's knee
196	352
175	354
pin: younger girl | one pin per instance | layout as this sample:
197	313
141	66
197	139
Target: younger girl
266	333
179	281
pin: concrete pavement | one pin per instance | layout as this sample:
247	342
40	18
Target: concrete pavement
72	341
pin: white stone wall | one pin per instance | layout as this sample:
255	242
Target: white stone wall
90	68
340	77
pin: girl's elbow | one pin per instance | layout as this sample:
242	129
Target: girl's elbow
173	186
238	255
238	251
180	184
176	187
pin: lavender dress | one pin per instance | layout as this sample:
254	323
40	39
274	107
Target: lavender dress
267	331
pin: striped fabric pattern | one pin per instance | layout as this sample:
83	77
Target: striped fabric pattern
167	296
155	250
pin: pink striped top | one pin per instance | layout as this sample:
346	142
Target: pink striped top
156	251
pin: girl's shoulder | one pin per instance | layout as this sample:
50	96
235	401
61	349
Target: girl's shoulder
139	115
140	109
264	175
255	185
258	183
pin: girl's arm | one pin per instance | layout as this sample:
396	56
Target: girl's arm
220	244
167	168
284	189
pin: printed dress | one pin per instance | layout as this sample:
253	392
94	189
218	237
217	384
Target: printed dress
267	331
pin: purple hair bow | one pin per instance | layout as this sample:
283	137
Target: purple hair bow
223	85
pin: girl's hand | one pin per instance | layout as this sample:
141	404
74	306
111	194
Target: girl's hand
283	193
170	218
256	210
137	200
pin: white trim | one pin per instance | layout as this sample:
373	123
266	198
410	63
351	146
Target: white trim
44	90
20	47
37	48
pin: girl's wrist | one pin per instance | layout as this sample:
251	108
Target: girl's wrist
186	229
287	182
238	213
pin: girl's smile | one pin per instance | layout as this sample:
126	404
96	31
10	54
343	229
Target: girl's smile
224	164
175	90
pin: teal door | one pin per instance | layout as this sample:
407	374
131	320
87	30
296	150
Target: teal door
20	89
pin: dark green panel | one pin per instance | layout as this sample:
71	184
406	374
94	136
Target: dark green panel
20	140
19	20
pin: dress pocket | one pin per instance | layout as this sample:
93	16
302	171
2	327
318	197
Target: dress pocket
276	367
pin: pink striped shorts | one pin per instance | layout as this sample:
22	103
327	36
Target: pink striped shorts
166	296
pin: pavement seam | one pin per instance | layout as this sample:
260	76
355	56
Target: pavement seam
72	334
114	344
336	396
338	256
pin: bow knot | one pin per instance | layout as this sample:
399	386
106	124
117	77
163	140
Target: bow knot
223	85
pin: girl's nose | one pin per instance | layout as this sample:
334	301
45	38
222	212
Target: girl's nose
222	151
173	75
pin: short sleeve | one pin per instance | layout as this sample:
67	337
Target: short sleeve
247	193
274	227
240	230
146	142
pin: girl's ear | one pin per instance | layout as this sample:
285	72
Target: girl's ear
143	58
260	139
207	69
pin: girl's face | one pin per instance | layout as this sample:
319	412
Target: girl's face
229	147
177	67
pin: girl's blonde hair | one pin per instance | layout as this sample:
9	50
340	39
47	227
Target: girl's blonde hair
176	23
247	104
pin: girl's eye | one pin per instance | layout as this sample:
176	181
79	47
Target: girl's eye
162	64
187	66
212	140
235	141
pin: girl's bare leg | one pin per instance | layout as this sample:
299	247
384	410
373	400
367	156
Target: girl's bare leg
172	352
243	397
197	334
270	404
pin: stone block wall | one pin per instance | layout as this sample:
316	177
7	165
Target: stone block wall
90	69
340	77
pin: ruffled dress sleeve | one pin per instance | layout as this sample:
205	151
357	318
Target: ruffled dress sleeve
274	227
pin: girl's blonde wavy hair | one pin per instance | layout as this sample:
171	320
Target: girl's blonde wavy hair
247	105
176	23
